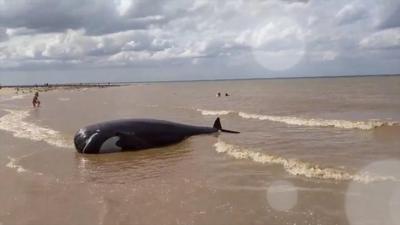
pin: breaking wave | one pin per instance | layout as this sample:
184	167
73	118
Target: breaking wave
311	122
13	122
344	124
214	112
12	97
296	167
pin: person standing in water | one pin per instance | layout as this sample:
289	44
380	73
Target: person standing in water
35	101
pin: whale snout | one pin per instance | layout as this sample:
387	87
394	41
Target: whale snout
81	139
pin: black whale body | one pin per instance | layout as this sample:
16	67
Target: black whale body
136	134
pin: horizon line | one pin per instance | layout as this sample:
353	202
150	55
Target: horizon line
120	83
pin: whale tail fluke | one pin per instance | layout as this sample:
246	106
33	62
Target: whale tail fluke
217	125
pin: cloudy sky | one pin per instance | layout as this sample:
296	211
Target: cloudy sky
137	40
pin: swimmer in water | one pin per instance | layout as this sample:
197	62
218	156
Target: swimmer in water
35	101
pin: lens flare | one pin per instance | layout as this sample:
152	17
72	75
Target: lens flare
278	45
376	202
282	195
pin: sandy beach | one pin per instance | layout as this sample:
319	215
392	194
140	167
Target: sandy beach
31	90
16	91
296	161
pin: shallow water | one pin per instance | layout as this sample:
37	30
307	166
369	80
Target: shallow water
306	148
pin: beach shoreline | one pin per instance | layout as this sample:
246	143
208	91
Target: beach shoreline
296	138
29	89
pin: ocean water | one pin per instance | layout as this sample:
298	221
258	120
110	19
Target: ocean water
310	151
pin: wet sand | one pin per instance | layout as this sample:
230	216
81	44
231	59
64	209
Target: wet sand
274	172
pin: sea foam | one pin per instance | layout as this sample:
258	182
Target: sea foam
13	165
344	124
5	98
214	112
14	122
309	122
296	167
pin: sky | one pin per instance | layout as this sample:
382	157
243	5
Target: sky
63	41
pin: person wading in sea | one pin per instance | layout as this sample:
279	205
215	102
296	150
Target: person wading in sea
35	101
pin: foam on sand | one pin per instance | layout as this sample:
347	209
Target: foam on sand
14	122
13	165
213	112
344	124
296	167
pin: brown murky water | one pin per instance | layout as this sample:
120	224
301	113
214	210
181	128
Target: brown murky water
310	151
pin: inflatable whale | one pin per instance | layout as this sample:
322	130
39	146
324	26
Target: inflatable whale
136	134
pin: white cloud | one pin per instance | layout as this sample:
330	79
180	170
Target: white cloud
282	33
123	6
383	39
267	34
351	13
19	31
323	55
3	34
